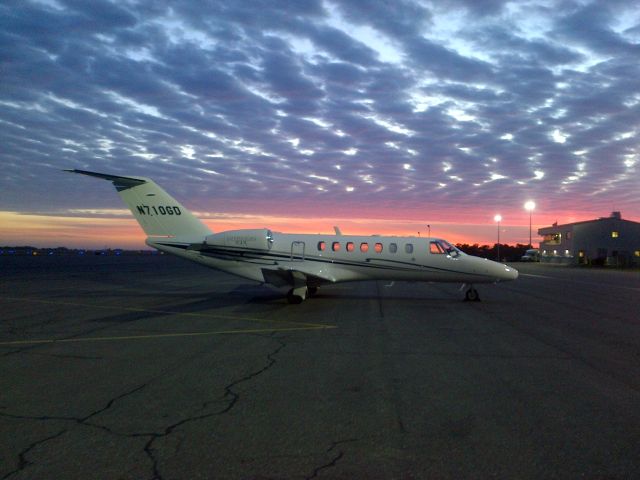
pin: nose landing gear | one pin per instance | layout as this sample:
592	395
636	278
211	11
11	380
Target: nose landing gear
471	295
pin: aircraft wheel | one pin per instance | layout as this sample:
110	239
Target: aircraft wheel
472	295
297	295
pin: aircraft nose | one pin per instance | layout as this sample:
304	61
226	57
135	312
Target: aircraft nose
497	272
509	273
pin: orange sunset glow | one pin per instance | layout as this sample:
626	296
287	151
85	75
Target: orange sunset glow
123	231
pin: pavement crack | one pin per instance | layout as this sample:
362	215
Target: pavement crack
228	393
228	390
334	460
22	456
23	462
111	402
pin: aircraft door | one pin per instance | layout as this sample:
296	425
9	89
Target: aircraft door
297	251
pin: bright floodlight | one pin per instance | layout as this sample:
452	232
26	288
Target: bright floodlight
498	218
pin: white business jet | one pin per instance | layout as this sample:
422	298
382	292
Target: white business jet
301	262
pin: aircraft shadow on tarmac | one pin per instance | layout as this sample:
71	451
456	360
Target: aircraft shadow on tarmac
202	303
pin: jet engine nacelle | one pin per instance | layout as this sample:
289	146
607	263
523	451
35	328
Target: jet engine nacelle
259	239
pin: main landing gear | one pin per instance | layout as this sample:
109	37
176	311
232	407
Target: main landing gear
298	295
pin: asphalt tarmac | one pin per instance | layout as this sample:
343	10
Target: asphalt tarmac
141	367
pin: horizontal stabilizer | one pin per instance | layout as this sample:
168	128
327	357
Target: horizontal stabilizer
121	183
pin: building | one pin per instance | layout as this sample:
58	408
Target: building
605	241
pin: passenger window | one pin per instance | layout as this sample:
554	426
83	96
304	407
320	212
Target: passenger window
350	247
408	248
393	248
364	247
378	248
322	246
335	246
436	248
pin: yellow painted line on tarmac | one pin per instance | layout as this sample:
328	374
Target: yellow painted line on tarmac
306	325
163	335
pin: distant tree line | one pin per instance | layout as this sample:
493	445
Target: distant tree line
25	250
508	253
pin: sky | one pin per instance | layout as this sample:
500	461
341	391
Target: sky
378	117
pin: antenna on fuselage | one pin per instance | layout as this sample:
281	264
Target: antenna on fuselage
337	230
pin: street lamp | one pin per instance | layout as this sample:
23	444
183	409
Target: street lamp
530	205
498	218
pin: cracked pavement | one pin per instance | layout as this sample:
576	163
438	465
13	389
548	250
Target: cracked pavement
412	383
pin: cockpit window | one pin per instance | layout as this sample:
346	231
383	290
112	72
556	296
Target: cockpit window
436	248
450	249
441	247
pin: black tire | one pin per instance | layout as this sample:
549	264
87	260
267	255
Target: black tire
472	295
294	299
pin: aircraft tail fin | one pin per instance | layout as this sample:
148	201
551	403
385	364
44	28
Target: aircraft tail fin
157	212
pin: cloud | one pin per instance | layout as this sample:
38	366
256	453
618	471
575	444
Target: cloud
591	26
303	105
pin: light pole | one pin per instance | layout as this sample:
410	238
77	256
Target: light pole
498	218
530	205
